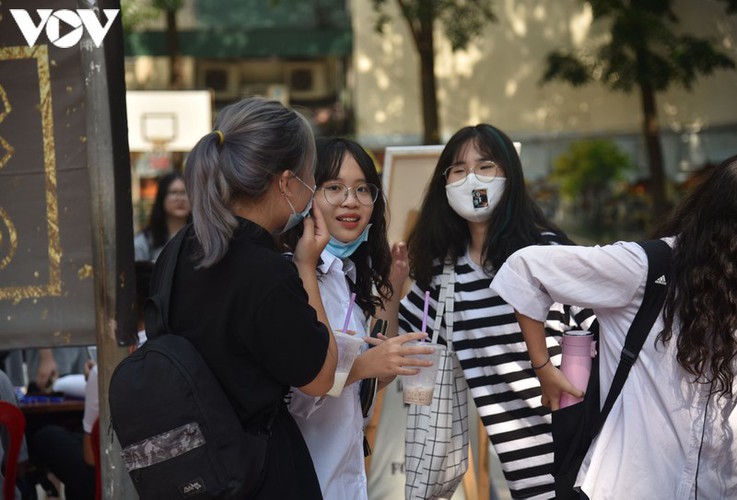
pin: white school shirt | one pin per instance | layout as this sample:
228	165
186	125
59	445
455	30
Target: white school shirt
333	427
649	444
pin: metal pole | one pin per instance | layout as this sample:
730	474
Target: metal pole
116	483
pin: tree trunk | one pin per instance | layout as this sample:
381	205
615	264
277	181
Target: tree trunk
426	50
172	49
651	131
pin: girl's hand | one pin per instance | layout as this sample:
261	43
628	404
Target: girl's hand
553	384
400	266
315	237
390	356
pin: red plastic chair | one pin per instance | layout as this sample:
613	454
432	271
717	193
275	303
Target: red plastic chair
95	438
12	418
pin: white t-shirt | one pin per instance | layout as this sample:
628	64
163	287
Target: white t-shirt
333	427
649	445
91	402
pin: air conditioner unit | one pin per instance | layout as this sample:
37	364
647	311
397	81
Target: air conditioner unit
307	80
272	91
223	78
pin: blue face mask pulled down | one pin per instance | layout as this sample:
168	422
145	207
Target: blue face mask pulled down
296	217
345	250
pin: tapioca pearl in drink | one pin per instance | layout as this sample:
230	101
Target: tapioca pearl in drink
418	395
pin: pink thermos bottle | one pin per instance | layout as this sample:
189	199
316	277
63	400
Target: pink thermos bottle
578	348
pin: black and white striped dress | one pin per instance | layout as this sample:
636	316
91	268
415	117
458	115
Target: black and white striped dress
493	355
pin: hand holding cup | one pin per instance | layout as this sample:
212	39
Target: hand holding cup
395	356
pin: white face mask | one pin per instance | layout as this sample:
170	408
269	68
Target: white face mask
475	200
297	217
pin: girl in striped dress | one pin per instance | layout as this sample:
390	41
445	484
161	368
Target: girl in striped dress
476	212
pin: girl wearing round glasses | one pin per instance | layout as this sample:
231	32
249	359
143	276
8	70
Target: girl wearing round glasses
357	259
477	212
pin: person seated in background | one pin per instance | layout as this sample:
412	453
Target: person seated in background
68	454
43	366
23	488
48	364
169	214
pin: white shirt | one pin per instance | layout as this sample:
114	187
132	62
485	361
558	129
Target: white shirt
649	445
333	427
91	402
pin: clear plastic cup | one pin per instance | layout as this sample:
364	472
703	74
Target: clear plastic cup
418	389
349	347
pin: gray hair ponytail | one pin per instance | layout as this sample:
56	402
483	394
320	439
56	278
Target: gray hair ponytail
260	139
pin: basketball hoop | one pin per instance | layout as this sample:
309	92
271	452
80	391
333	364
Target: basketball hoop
159	128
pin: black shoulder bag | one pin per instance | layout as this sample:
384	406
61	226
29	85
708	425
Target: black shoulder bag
575	427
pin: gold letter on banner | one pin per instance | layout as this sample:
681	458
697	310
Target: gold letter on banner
46	272
8	250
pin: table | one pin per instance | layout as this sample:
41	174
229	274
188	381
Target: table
61	405
47	410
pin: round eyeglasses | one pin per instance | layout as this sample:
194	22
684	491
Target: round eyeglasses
486	171
337	192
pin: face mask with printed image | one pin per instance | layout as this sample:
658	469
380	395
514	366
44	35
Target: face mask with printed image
473	199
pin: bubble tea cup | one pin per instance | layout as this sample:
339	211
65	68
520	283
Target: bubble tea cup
349	347
418	389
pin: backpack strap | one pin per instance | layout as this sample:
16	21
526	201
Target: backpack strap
658	276
156	307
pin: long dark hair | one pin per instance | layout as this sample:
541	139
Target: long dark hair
156	229
703	297
439	233
373	258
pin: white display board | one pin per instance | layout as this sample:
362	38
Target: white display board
407	171
174	119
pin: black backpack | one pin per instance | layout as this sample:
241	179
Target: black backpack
576	426
180	435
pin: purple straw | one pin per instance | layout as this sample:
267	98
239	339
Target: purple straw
348	314
424	313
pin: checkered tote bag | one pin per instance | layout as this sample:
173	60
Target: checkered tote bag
436	439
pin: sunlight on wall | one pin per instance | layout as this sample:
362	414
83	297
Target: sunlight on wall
363	63
580	25
496	78
516	14
462	63
539	13
476	110
382	79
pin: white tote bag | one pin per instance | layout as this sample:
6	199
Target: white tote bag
436	439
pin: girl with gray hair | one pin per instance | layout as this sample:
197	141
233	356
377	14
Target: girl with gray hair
255	317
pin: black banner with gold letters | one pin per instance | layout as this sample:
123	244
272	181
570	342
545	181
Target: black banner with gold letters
47	285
